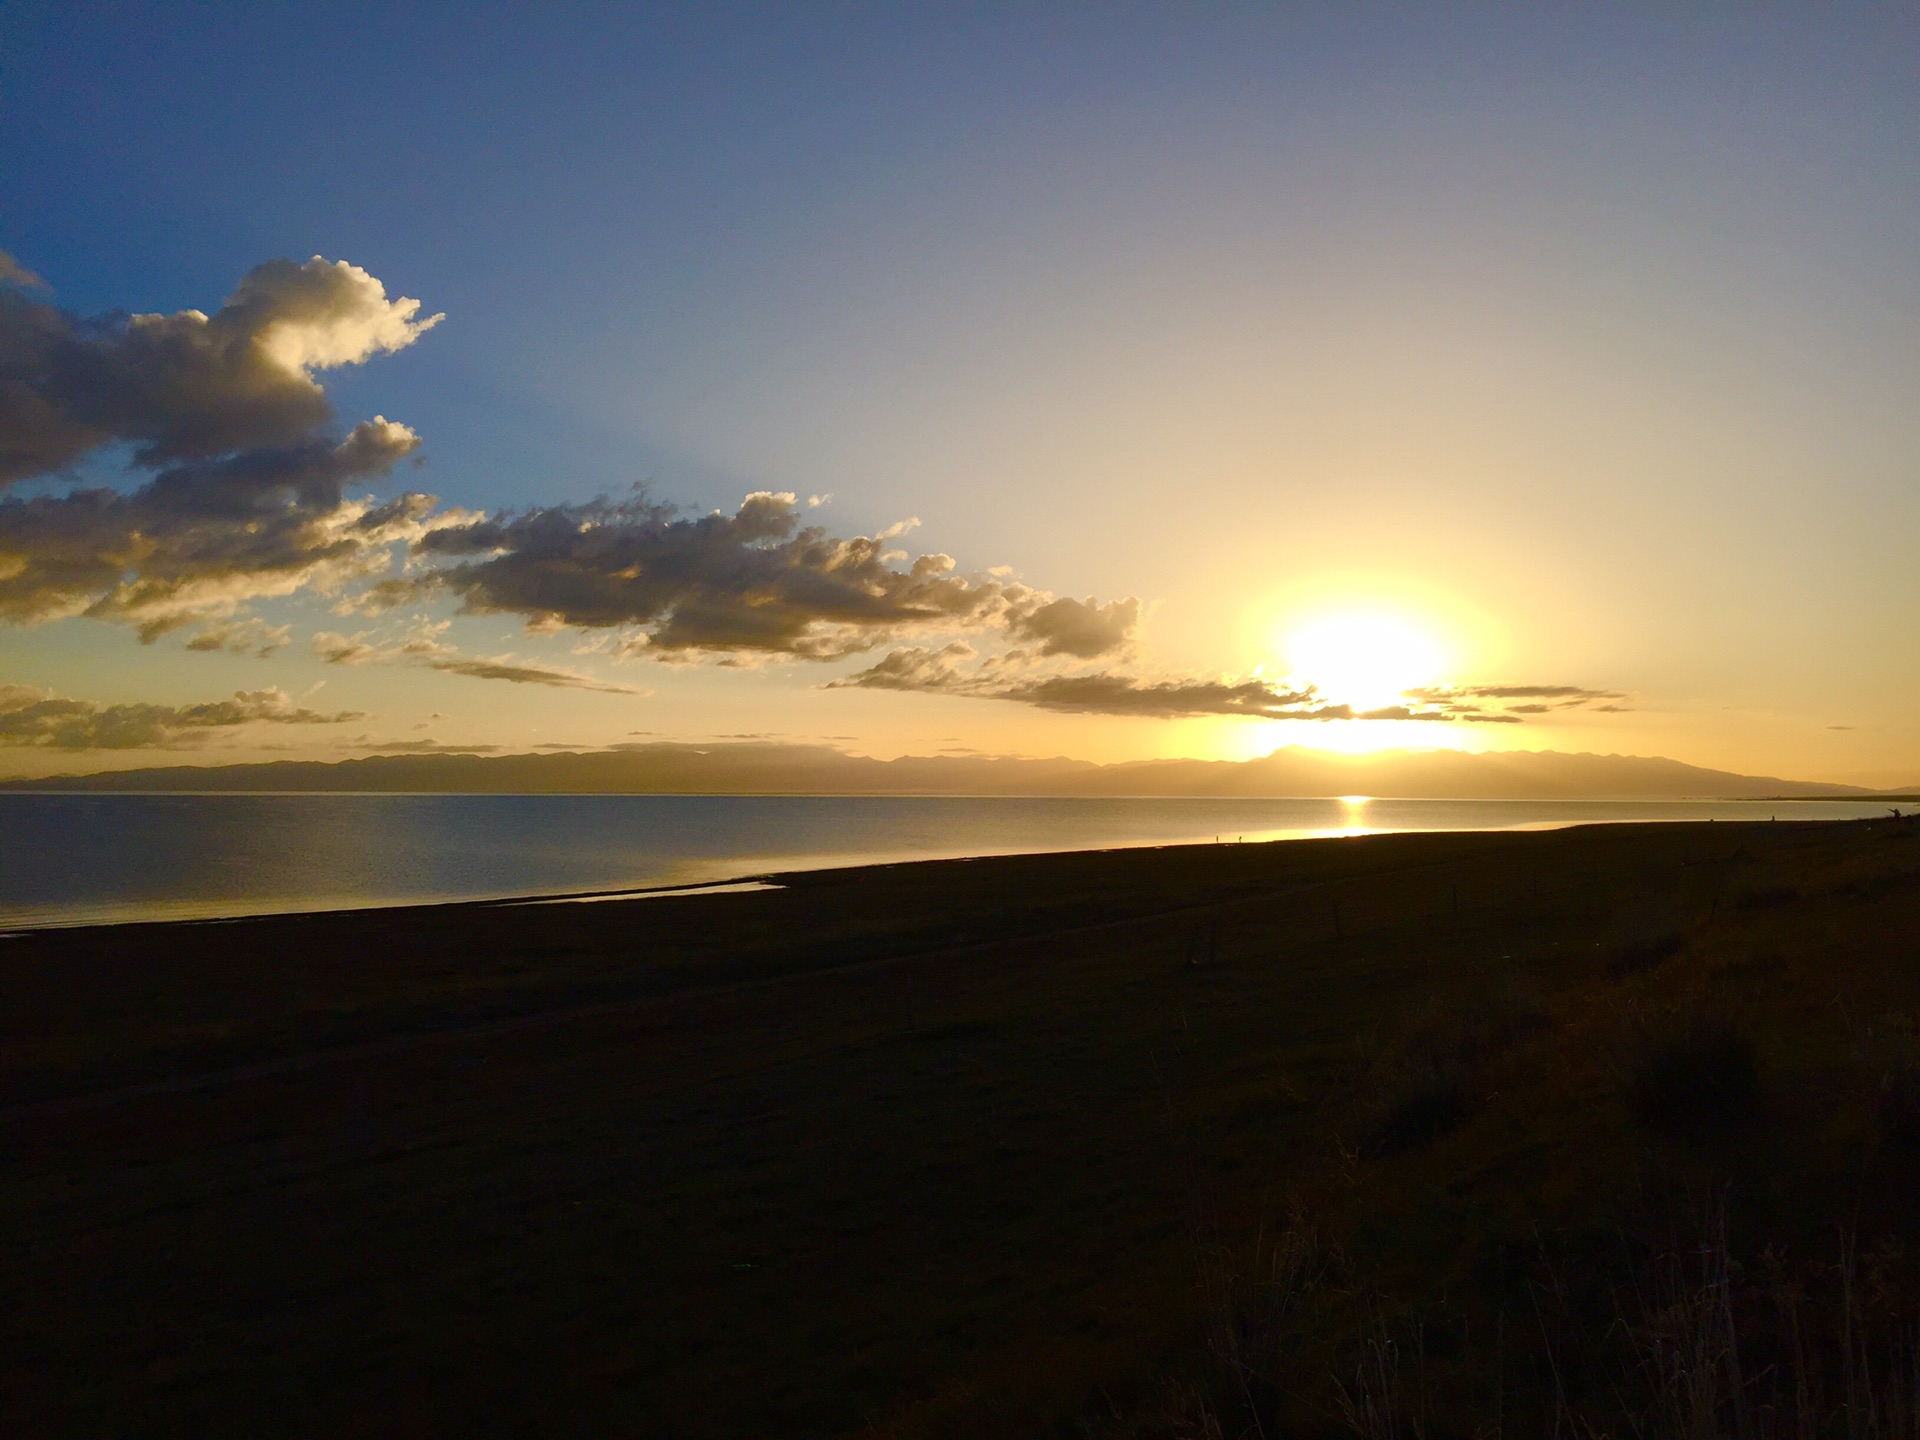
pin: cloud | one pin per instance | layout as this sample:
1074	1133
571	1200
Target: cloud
915	668
254	637
1080	628
12	272
1463	702
1388	712
529	675
422	649
187	385
942	670
946	670
204	538
753	583
250	492
1113	694
1574	694
31	716
421	747
252	495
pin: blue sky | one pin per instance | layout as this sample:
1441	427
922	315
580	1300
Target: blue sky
1579	339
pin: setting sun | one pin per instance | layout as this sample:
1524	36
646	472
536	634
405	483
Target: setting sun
1365	659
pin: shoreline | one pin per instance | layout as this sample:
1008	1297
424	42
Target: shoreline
783	866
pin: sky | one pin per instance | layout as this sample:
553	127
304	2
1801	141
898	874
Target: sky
1111	381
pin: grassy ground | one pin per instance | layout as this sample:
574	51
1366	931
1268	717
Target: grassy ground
1477	1134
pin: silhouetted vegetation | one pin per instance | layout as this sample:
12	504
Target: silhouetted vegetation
1643	952
1435	1077
1898	1109
1766	897
1699	1072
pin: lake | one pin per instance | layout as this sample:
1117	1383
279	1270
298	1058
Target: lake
84	859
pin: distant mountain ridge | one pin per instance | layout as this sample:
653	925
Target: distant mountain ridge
761	768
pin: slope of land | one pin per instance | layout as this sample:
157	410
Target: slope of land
771	769
1484	1133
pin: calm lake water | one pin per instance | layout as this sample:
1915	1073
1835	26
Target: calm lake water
72	859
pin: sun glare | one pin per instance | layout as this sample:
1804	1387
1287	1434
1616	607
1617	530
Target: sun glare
1363	659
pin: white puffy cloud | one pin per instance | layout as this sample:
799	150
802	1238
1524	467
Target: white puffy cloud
321	315
188	385
251	492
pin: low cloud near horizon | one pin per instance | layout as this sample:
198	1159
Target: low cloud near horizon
30	716
947	670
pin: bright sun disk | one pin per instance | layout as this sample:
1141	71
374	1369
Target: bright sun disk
1366	660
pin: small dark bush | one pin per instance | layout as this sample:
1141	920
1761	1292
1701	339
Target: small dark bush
1423	1108
1435	1081
1464	1040
1643	952
1766	897
1898	1110
1700	1075
1748	968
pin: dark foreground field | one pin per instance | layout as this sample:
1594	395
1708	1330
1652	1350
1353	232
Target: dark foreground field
1605	1131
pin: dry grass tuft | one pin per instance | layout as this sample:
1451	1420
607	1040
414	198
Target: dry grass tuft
1699	1074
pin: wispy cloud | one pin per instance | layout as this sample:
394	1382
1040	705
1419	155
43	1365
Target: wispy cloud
246	637
31	716
1557	694
418	747
1493	704
423	649
946	670
949	669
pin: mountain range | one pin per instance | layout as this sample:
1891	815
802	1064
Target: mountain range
764	768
